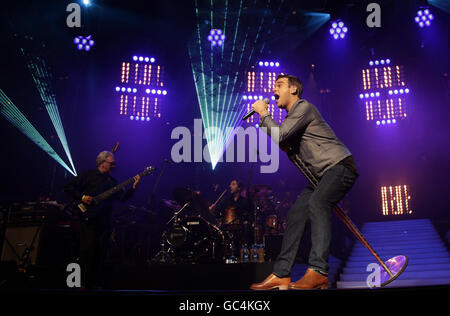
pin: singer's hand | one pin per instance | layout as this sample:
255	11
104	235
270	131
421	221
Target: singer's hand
260	107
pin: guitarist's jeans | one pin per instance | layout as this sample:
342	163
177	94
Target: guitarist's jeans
94	237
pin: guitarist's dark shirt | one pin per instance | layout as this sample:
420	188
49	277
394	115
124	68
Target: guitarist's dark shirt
92	183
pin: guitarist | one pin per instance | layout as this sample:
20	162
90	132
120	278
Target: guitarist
95	231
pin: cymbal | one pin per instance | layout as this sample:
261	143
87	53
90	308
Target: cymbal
183	195
171	204
260	191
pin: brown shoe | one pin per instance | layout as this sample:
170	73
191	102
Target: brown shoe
272	282
311	280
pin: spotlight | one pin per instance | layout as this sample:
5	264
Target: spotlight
117	89
338	30
131	117
152	60
87	3
216	37
277	64
164	92
261	63
266	63
83	43
141	58
135	58
423	17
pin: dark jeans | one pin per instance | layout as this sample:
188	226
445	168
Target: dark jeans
316	206
94	238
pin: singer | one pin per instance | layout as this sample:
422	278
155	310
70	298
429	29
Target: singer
305	135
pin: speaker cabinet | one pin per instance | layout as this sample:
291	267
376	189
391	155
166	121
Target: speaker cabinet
21	244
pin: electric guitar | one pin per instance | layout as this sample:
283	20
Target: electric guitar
90	210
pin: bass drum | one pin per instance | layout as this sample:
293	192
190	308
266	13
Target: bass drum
195	239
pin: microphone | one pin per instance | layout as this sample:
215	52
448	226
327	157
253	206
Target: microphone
246	116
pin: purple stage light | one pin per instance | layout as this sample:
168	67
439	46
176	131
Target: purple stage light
147	90
117	89
135	58
261	63
266	64
131	117
216	37
152	60
423	18
164	92
338	30
141	58
361	96
277	64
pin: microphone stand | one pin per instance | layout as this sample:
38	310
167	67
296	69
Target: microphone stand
150	200
392	267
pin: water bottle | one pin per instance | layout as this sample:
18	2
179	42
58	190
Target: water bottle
245	253
261	253
254	253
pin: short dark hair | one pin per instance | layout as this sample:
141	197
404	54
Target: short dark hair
239	183
293	81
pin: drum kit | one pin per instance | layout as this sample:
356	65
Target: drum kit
195	235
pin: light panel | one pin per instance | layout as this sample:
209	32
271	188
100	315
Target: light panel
384	93
141	89
395	200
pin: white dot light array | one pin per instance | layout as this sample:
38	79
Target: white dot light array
216	37
424	18
338	30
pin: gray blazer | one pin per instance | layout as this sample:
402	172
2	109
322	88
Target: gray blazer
305	135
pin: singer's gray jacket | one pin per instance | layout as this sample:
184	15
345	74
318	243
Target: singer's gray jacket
305	135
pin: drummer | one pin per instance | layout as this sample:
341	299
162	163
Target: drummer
244	210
